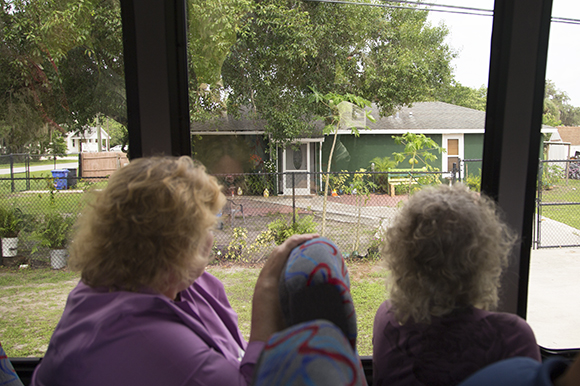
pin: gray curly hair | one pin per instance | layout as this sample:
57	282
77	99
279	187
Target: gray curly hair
446	249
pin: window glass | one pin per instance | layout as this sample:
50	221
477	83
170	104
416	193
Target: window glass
61	74
279	71
553	284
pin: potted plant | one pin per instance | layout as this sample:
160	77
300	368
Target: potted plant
11	222
54	232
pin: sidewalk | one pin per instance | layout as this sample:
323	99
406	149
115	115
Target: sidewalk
554	297
22	169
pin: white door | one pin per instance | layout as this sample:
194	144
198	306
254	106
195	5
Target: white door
453	145
296	159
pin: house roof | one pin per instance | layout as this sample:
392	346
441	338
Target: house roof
431	118
89	132
570	134
422	117
428	117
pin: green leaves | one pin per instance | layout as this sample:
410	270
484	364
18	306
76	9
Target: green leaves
11	221
418	147
54	230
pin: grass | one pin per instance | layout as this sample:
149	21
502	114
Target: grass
31	304
32	301
563	192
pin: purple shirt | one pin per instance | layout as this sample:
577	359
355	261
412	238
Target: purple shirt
128	338
447	350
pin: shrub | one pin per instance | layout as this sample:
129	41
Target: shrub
282	228
256	183
473	181
11	221
54	231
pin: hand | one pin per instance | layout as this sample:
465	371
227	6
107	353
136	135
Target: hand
266	311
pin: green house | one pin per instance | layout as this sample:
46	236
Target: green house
228	146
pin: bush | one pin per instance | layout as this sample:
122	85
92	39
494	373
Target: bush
54	231
283	227
473	182
256	183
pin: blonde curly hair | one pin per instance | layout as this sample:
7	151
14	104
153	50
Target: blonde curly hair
446	249
148	226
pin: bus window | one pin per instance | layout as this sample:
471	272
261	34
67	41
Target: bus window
555	264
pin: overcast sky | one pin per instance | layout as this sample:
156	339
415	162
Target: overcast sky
471	37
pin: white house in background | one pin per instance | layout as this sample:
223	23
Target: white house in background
87	141
564	144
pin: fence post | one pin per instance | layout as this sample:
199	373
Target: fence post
80	167
27	166
538	236
454	171
293	198
12	172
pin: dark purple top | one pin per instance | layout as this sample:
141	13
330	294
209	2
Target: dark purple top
447	350
128	338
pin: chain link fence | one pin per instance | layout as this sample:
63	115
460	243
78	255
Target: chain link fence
557	221
262	209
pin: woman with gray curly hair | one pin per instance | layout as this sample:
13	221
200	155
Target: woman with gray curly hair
446	252
145	312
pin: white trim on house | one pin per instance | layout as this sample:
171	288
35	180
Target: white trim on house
287	188
89	139
545	130
445	155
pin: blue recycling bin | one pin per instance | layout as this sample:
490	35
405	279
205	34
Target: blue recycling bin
60	178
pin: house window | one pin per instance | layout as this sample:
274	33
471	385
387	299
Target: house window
452	154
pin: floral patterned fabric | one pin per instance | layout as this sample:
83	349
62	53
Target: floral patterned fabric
8	376
312	353
315	285
447	350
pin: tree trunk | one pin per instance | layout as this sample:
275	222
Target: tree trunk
326	184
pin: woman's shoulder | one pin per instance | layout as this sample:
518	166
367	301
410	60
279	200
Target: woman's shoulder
503	319
515	333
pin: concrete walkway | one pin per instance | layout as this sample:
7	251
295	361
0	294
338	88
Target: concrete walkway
554	297
22	169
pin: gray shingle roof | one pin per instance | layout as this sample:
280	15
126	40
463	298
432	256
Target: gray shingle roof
430	116
424	117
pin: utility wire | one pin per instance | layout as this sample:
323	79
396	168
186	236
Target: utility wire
420	6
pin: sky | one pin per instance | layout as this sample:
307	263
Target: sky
470	36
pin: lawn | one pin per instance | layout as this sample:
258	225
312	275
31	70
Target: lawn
31	302
563	192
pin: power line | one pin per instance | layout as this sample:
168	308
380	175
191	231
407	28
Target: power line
420	6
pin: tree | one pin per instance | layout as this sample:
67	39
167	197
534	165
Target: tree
361	186
341	109
213	29
557	110
64	65
459	95
391	57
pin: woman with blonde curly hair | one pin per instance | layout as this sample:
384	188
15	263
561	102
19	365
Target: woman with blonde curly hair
446	252
145	312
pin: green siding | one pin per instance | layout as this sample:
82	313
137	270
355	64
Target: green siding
473	149
361	150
